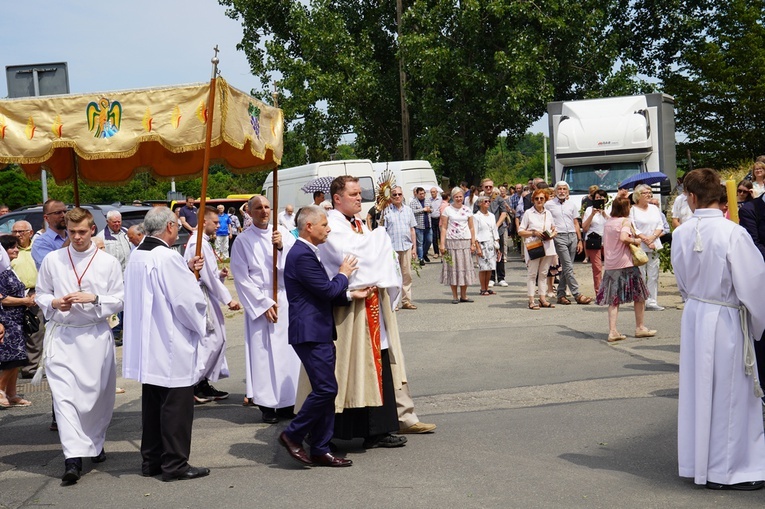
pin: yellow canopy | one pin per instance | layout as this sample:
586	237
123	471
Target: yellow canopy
161	130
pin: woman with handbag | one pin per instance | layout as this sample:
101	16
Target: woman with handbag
487	237
595	217
537	230
622	282
13	352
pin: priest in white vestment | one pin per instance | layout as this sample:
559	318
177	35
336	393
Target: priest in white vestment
211	353
271	365
363	410
721	276
167	319
78	288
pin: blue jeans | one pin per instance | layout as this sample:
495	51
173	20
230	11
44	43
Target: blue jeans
424	239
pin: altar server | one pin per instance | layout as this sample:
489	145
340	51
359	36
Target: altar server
271	365
78	288
167	320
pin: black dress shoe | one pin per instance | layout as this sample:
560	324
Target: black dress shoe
328	460
384	441
72	469
269	415
191	473
100	458
426	259
295	450
287	412
742	486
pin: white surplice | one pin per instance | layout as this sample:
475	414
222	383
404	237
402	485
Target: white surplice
211	353
271	365
720	430
166	310
79	347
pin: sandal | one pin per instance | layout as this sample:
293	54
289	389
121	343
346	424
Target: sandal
467	300
616	337
534	306
563	300
491	292
455	301
18	401
4	403
484	292
583	299
546	304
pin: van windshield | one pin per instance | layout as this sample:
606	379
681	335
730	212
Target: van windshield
605	176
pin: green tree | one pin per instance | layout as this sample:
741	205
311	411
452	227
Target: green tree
476	68
709	55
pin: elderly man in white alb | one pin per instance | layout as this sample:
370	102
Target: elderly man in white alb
167	311
211	355
78	288
271	364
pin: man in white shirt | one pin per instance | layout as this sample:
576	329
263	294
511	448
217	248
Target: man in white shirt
681	212
568	242
287	217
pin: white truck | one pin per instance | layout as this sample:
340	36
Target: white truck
604	141
291	180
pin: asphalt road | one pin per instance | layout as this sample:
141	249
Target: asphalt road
534	409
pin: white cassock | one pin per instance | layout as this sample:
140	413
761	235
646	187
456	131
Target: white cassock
211	353
79	347
720	431
167	318
272	366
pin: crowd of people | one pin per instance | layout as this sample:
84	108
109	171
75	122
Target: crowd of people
322	346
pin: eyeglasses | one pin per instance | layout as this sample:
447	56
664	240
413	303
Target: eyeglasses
397	194
56	213
539	198
649	193
742	191
19	232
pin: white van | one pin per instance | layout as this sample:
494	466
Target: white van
409	175
291	180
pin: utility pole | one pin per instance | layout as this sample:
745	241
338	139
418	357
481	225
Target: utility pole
407	155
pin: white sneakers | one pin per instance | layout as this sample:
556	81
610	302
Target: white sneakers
502	283
653	307
491	283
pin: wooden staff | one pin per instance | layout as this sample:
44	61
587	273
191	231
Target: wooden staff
76	180
275	209
206	163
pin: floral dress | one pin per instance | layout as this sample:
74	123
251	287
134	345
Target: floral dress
13	350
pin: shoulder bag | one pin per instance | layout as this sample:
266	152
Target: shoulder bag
31	323
639	257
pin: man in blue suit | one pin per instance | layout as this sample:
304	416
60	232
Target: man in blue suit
311	296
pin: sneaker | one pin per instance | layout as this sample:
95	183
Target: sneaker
491	283
200	398
653	307
209	391
422	263
502	283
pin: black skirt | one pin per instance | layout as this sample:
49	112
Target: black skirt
371	421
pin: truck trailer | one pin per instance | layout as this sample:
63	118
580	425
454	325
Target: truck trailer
604	141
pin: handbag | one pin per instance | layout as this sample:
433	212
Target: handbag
593	241
639	257
535	249
31	323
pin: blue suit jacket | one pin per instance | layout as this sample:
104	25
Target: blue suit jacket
311	295
752	218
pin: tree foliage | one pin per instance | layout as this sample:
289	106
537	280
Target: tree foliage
708	54
475	69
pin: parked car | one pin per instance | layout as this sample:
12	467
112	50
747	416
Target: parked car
131	214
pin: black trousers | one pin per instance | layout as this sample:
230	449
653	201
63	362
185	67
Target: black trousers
371	421
499	274
167	415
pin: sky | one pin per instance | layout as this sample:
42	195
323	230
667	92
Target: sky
130	44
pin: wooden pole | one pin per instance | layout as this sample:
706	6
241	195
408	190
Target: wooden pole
275	210
206	163
76	182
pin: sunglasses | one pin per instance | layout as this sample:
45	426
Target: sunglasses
397	194
742	191
539	198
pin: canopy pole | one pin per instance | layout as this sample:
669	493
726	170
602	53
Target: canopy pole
206	163
76	183
275	210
